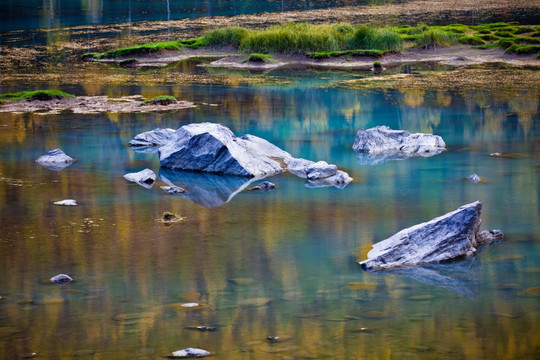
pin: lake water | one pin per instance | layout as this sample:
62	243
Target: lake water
282	263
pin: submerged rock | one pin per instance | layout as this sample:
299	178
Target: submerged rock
447	237
264	186
173	189
61	279
156	137
145	178
169	218
400	144
67	202
190	353
55	159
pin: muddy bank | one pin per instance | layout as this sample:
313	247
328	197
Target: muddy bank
91	105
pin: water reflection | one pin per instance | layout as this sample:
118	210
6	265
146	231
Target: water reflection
208	190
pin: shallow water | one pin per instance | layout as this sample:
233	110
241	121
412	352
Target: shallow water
282	263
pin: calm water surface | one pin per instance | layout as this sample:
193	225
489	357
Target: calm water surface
282	263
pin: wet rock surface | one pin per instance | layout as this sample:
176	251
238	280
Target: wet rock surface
67	202
156	137
451	236
145	178
55	159
474	178
381	141
190	353
264	186
61	279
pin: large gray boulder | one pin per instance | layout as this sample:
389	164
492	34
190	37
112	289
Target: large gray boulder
213	148
55	159
156	137
451	236
395	144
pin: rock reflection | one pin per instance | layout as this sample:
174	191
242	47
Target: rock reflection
461	276
208	190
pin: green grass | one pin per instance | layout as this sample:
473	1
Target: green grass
523	49
328	54
259	58
35	95
139	50
471	40
325	41
435	37
161	100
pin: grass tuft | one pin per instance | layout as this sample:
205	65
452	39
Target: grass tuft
259	58
523	49
471	40
225	36
328	54
161	100
42	95
139	50
435	37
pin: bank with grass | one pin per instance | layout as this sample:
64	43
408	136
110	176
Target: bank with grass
341	40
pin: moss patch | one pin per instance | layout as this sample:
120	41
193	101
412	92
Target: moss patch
42	95
328	54
161	100
259	58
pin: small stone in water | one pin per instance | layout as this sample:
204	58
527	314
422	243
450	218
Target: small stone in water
474	178
61	279
173	189
190	353
264	186
190	305
67	202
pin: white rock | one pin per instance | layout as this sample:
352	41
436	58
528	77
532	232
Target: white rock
190	305
382	139
191	353
67	202
55	159
144	178
61	279
156	137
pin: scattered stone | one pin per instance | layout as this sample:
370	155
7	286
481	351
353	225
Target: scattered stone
475	179
340	180
28	355
67	202
169	218
264	186
190	353
202	328
55	159
495	154
314	172
277	339
161	101
396	144
173	189
61	279
145	178
448	237
156	137
190	305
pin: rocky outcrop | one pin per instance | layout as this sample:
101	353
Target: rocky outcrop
55	159
213	148
381	141
451	236
264	186
156	137
145	178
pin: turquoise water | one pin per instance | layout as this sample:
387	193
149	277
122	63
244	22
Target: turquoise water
282	263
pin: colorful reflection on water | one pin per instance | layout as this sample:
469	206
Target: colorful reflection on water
282	263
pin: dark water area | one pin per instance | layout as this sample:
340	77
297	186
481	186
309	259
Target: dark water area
38	14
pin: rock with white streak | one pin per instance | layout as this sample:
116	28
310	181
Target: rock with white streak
156	137
66	202
383	140
451	236
145	178
190	353
213	148
55	159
